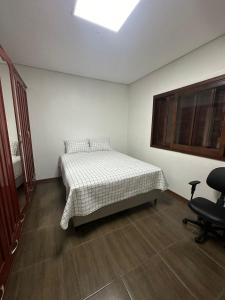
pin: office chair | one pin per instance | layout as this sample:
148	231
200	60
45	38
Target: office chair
211	216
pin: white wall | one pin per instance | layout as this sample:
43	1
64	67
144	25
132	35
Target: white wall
203	63
65	107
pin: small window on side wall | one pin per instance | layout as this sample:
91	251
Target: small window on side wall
191	119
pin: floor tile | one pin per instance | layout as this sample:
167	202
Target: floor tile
201	274
222	297
51	194
111	223
177	212
114	291
92	266
127	249
42	281
159	231
215	249
165	200
39	245
81	234
155	281
144	210
22	197
72	285
90	231
41	218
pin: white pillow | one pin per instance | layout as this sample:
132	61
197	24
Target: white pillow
73	146
14	148
100	144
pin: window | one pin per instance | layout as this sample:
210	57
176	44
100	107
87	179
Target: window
191	119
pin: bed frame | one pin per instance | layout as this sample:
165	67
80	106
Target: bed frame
117	207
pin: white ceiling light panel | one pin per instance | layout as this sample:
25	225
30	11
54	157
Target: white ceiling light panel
110	14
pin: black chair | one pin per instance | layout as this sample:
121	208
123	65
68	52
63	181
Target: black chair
211	216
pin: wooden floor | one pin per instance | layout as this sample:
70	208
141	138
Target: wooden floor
144	253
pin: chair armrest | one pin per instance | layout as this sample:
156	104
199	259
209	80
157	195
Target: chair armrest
193	187
195	182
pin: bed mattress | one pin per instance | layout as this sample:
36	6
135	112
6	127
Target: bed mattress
96	179
17	166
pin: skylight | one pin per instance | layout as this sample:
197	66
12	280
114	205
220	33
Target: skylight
110	14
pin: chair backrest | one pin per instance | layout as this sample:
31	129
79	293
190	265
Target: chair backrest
216	180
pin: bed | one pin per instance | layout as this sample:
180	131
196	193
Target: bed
17	169
101	183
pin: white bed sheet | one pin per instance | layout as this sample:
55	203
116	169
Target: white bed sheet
96	179
17	166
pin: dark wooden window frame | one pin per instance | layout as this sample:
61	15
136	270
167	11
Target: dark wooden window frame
218	154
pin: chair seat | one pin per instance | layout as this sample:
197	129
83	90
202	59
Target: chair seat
208	210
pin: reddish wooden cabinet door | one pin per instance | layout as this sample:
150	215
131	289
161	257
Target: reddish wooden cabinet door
4	254
23	125
9	206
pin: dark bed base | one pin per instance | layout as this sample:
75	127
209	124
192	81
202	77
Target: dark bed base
117	207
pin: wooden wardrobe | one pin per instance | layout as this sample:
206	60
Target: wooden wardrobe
11	215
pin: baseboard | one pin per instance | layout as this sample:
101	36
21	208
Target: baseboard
177	196
47	180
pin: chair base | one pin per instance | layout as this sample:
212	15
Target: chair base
206	230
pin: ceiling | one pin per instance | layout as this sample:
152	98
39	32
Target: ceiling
45	34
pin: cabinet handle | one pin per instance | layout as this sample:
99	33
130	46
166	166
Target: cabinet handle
20	138
2	290
22	218
14	249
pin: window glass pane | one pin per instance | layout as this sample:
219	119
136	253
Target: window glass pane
159	116
185	117
163	116
218	118
169	121
203	120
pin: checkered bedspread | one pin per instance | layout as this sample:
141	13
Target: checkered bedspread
97	179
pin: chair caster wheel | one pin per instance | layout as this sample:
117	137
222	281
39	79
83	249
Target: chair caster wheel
185	221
